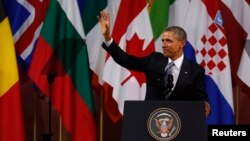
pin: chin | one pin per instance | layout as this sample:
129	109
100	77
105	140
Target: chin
165	55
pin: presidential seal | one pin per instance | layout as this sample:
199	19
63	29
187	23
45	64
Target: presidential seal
164	124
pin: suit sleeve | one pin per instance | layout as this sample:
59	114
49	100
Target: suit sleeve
200	86
126	60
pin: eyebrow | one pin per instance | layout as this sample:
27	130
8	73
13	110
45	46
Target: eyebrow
165	40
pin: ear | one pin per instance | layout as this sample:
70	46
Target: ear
183	43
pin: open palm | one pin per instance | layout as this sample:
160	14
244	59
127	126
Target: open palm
104	20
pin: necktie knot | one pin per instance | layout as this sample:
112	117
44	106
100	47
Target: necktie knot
169	68
171	64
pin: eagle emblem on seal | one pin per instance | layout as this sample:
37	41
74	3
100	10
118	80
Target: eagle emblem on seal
164	124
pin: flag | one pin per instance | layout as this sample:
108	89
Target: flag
207	41
89	11
131	29
158	12
244	62
61	56
26	19
11	114
235	15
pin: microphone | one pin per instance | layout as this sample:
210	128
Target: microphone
170	80
169	86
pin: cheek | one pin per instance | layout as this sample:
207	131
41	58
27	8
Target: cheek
174	49
177	48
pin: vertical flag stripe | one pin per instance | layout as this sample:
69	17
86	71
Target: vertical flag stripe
158	13
11	115
8	69
90	11
159	17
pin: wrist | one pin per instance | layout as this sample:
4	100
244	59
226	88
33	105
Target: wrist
107	37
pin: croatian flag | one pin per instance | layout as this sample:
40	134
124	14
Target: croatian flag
207	45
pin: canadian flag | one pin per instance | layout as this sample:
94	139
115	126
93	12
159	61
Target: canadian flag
131	29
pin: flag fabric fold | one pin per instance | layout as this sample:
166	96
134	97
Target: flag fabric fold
243	67
235	15
61	52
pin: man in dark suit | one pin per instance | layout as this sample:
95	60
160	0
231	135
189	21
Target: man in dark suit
188	78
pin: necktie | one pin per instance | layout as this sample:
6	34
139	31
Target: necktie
168	79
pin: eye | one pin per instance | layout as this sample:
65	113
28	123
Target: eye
164	40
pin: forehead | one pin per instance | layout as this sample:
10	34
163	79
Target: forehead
169	34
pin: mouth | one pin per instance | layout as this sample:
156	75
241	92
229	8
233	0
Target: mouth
165	50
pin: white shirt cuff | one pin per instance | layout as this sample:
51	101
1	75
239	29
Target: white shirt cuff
108	43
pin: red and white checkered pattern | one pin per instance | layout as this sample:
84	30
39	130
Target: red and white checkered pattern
212	54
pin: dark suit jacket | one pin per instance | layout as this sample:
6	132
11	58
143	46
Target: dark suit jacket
190	85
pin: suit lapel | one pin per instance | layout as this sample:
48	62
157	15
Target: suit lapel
163	64
184	73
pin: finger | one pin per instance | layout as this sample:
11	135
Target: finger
103	15
100	16
108	17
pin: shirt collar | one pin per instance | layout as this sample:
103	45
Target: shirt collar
178	61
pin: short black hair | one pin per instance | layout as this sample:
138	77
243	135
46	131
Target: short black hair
179	31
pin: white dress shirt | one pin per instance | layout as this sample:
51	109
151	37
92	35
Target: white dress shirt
176	68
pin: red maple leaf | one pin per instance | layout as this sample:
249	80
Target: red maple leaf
135	47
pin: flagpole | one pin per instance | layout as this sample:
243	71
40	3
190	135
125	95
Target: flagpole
101	115
60	128
51	76
35	117
237	103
